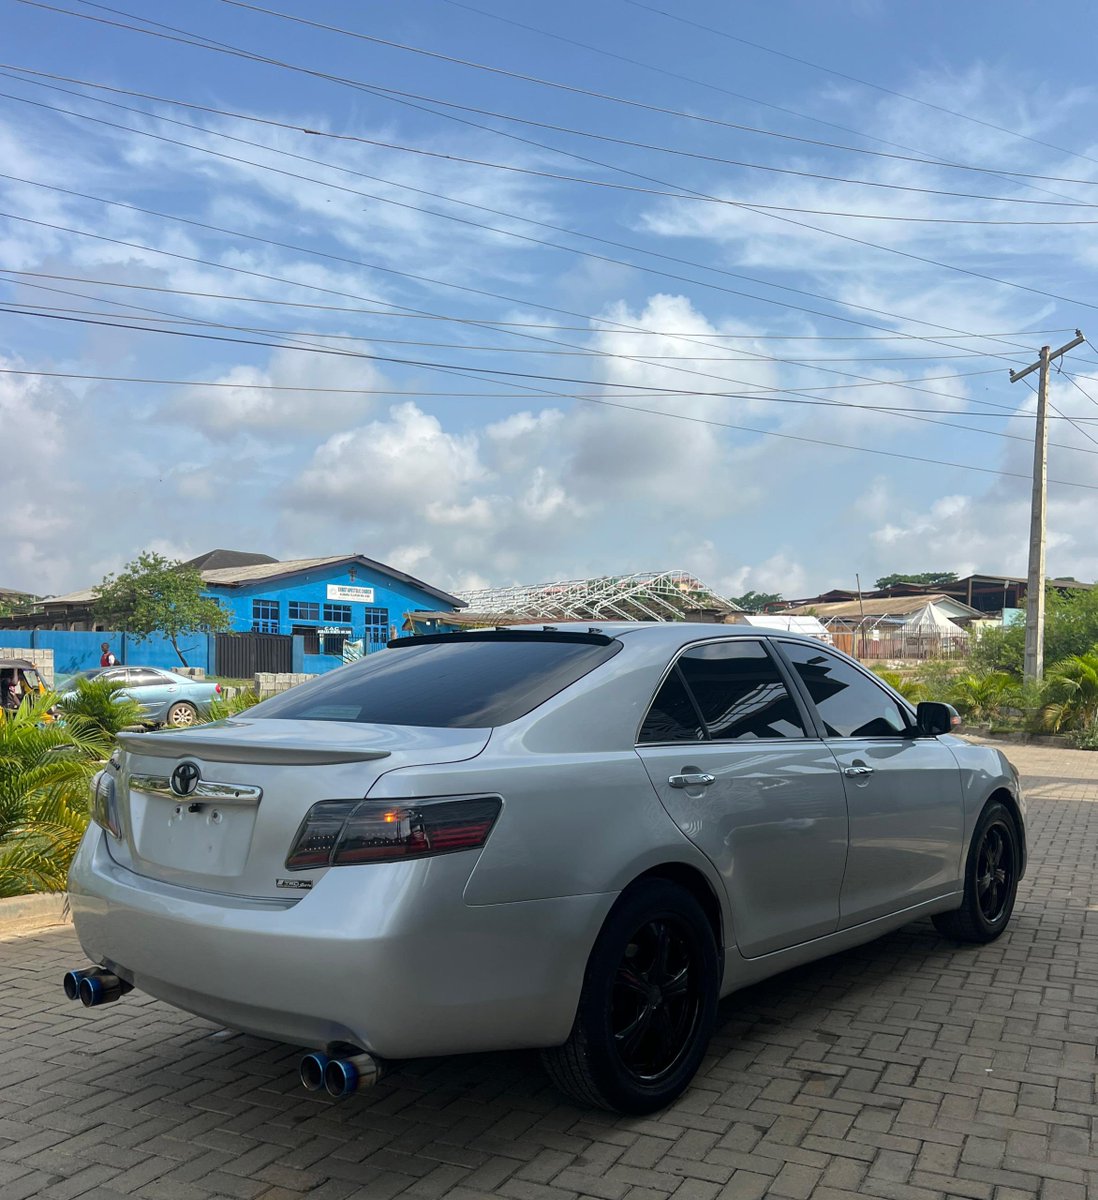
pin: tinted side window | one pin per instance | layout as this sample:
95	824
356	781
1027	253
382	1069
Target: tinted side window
142	678
672	717
849	704
466	681
740	692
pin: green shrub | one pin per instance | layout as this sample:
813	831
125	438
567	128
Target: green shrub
45	769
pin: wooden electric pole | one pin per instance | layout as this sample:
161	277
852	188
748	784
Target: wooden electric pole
1035	584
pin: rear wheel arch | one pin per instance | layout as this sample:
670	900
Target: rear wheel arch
691	880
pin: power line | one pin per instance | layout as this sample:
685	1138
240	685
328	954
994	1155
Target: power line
450	394
745	357
268	277
789	396
804	62
185	37
678	151
517	75
908	255
513	234
359	263
767	432
377	312
647	66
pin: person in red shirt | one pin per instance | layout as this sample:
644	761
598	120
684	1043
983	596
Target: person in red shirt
107	659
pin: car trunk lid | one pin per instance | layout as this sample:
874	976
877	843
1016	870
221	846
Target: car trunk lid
217	807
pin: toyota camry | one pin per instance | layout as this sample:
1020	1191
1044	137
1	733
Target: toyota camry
574	838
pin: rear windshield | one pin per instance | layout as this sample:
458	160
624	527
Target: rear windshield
466	683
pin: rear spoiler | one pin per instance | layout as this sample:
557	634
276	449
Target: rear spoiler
208	745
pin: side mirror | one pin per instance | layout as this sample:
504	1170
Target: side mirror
934	718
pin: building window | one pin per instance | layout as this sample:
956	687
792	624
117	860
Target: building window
377	626
265	616
310	636
337	614
298	610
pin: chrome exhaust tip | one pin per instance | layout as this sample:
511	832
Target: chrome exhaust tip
71	982
99	986
345	1076
312	1070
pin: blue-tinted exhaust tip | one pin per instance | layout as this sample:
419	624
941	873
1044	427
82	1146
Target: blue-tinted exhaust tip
345	1076
71	982
312	1071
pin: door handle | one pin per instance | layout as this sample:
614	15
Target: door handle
692	779
855	772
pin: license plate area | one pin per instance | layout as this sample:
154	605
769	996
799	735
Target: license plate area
196	836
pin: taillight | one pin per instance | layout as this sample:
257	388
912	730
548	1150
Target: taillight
104	805
348	832
217	688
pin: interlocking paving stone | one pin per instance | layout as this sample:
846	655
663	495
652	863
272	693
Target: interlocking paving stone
909	1069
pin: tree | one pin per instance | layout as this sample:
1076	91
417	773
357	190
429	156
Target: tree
1071	628
924	577
157	595
757	602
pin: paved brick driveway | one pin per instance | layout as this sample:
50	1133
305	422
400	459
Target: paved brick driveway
908	1069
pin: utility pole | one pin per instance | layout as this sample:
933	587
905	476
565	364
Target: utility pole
1035	584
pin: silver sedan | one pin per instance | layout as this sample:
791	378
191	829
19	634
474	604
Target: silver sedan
573	838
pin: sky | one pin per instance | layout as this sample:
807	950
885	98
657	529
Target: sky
505	292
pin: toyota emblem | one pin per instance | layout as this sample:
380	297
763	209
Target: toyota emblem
185	779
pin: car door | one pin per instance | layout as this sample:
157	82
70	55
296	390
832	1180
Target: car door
739	768
149	688
903	791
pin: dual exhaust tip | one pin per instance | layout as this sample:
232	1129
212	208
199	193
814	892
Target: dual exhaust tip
94	986
339	1076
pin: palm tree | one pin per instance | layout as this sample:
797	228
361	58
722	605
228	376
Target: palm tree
982	697
1073	693
95	706
45	771
912	690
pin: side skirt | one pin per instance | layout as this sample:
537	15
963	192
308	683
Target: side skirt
741	972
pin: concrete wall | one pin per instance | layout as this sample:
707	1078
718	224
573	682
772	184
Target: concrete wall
269	683
42	659
79	650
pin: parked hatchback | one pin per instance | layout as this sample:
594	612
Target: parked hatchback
165	698
572	838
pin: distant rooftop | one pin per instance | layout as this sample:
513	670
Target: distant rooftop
214	560
262	567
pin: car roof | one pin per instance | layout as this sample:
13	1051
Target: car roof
670	633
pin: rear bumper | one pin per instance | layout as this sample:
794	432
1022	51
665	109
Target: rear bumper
387	957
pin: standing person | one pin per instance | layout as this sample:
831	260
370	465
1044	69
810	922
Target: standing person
107	658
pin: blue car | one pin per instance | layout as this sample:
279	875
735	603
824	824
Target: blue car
165	698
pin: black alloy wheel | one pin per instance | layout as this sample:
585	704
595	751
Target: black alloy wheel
995	871
655	1002
991	879
648	1003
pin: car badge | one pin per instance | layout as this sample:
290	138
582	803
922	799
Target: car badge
185	779
297	885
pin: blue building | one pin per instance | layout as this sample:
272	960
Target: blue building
325	601
317	604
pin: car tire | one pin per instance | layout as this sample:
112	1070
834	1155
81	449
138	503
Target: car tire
991	880
648	1004
181	715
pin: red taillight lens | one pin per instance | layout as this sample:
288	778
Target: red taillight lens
217	688
348	832
104	805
